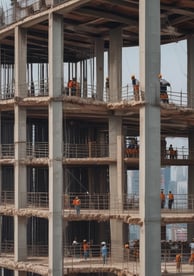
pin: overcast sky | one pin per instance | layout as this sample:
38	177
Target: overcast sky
173	64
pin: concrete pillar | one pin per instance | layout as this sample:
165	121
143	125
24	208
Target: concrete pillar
190	89
20	62
115	67
0	189
55	146
150	233
20	227
99	68
190	226
116	186
190	71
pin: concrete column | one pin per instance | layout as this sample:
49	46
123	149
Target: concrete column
55	146
115	61
190	89
190	71
20	62
0	188
190	226
149	38
99	68
116	186
20	227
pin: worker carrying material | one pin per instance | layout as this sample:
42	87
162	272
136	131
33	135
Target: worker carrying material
163	89
135	83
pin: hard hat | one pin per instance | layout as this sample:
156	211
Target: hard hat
132	76
159	76
103	243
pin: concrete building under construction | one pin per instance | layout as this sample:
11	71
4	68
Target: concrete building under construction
69	131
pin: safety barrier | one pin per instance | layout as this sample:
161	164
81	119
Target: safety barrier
127	258
89	150
40	88
97	202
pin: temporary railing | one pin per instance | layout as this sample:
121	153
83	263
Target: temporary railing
89	150
7	151
177	153
98	202
7	198
37	150
122	258
37	88
92	149
37	200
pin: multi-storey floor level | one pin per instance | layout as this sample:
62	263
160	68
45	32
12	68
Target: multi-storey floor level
67	132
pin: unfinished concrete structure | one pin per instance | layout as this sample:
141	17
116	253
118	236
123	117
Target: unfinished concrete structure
61	140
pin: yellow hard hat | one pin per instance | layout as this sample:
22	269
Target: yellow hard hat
132	76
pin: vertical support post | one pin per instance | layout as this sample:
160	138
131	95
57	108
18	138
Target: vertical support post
150	233
55	146
20	223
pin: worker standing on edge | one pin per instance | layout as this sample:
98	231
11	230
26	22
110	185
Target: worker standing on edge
135	83
170	199
104	252
163	89
86	249
178	262
77	205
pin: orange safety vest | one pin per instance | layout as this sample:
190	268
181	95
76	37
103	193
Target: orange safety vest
85	246
162	196
70	84
170	196
76	202
178	258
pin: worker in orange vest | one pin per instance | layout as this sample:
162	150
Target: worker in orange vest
77	204
86	249
170	199
135	83
178	262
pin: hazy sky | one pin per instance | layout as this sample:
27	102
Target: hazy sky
173	64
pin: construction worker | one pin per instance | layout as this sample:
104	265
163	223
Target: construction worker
162	199
135	83
86	249
191	245
104	252
70	85
170	199
178	262
127	251
163	89
77	204
172	152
